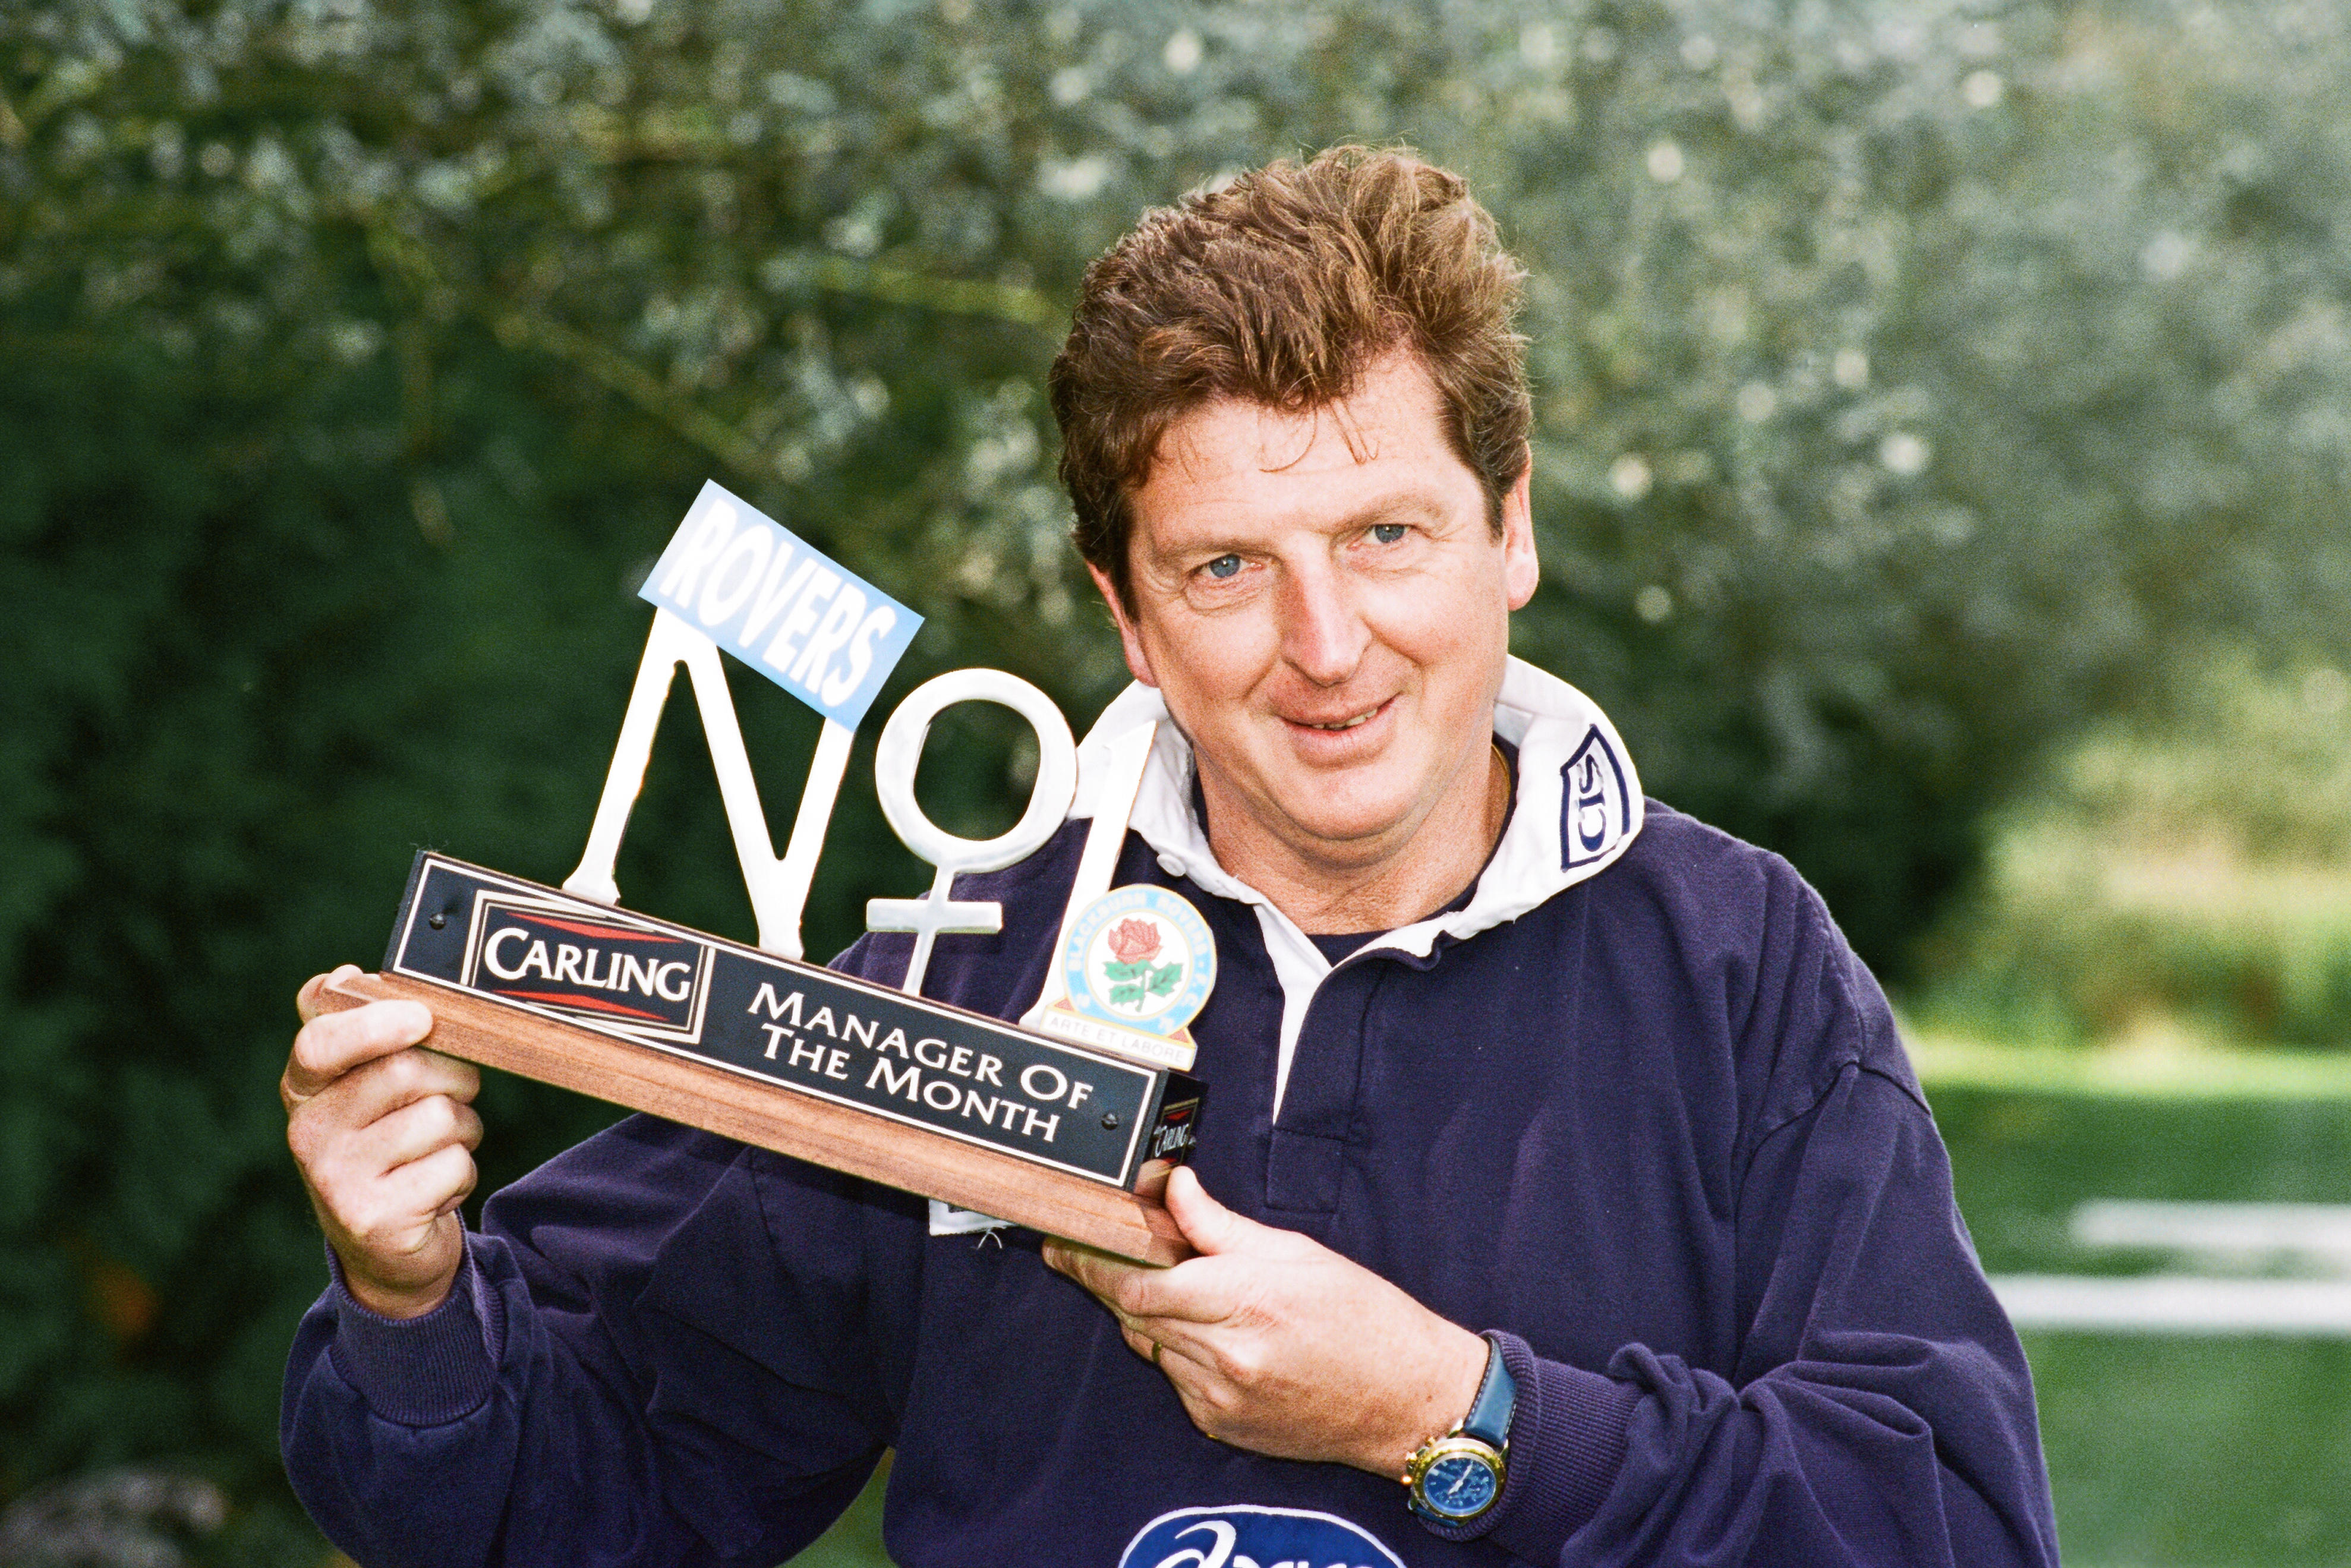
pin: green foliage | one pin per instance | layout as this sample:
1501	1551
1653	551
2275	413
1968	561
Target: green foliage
1913	379
2195	870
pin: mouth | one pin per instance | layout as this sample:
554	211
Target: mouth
1334	726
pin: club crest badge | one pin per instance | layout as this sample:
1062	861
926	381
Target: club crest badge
1138	965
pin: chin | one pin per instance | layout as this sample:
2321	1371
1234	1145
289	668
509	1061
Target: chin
1343	821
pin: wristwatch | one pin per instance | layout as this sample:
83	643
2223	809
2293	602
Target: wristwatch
1455	1478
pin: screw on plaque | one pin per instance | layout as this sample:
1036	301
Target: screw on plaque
437	921
1109	1121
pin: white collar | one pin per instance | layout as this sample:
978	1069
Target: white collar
1565	742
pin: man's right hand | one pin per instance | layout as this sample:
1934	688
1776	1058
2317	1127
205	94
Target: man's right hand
384	1135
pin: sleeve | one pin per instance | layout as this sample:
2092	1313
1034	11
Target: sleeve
628	1371
1880	1410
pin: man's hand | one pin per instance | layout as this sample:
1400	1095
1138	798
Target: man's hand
1276	1343
383	1134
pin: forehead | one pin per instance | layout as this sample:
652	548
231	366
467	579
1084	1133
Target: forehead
1385	439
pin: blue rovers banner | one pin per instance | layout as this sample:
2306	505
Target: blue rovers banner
758	591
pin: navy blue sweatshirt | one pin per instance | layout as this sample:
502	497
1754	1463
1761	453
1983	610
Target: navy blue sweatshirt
1655	1128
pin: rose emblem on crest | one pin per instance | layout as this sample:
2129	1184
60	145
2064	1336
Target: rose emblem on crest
1134	981
1139	958
1131	941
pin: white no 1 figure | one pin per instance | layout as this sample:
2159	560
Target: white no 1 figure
780	886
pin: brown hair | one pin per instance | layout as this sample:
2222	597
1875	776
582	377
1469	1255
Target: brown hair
1282	289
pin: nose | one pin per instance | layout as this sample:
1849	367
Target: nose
1323	630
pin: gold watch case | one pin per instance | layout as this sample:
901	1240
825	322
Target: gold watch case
1434	1452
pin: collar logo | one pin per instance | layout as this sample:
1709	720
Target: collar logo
598	968
1142	958
1243	1535
1594	803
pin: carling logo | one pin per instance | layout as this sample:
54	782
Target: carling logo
600	970
1177	1130
1242	1535
1593	804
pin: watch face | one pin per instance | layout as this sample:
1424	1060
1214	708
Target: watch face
1459	1486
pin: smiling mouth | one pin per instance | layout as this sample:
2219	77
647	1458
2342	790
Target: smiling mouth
1339	723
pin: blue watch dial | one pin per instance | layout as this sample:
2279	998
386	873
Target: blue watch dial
1459	1485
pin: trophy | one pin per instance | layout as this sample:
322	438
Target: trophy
1068	1121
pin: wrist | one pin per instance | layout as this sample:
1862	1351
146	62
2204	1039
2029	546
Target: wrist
1441	1394
1455	1481
398	1299
425	1370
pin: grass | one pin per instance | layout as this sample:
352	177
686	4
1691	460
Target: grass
2165	1065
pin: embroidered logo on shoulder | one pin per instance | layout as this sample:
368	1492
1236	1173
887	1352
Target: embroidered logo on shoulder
1243	1535
1594	803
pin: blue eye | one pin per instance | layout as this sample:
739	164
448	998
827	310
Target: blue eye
1224	566
1387	533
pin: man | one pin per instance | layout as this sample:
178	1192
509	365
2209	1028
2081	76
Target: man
1559	1154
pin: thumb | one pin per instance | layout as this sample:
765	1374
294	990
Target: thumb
1207	1224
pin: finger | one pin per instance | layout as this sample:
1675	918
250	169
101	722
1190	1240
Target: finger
305	1000
431	1187
1194	1291
389	1217
1130	1289
1194	1383
1184	1365
333	1133
331	1044
420	1128
1208	1225
1197	1291
1101	1274
1097	1271
375	1089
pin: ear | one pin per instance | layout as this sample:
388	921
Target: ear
1138	662
1520	571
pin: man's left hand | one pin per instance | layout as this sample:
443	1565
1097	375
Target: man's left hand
1276	1344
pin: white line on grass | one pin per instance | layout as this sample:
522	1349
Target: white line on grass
2177	1303
2317	1233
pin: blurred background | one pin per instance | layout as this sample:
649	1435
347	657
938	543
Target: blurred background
1941	473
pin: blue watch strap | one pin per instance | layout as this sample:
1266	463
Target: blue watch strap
1488	1420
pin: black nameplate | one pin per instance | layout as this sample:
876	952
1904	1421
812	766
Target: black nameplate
928	1064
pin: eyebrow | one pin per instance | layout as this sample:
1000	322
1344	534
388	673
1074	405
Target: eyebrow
1388	508
1401	506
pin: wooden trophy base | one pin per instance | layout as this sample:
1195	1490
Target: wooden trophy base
857	1077
1129	1224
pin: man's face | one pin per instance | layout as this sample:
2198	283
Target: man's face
1323	602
